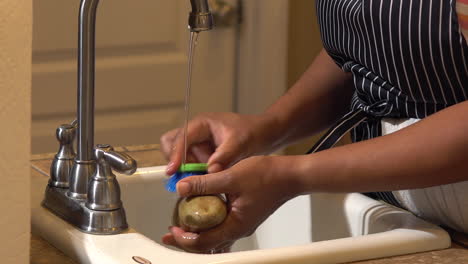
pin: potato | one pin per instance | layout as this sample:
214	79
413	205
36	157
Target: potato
199	213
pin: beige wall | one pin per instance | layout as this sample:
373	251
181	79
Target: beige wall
15	115
304	45
304	38
141	64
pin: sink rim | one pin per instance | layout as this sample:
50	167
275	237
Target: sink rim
414	236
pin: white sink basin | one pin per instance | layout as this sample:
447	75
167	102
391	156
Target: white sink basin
322	228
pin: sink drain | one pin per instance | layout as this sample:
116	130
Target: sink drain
141	260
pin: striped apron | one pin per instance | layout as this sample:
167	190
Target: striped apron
408	59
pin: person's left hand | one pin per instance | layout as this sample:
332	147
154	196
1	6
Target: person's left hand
255	187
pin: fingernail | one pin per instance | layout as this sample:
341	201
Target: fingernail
211	169
190	236
214	168
210	160
183	187
169	166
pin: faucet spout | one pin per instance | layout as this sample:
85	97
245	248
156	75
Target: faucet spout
85	196
200	19
86	72
85	165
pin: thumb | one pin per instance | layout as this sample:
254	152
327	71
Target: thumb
215	183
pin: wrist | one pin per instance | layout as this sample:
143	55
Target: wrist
285	172
271	131
311	173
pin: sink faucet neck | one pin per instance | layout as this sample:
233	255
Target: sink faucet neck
85	165
83	196
86	73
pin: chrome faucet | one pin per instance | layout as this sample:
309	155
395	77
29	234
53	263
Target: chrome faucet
200	19
82	189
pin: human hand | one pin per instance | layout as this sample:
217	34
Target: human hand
255	187
219	139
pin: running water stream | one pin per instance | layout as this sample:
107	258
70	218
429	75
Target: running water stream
193	41
191	53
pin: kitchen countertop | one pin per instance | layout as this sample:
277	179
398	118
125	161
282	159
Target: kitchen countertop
150	155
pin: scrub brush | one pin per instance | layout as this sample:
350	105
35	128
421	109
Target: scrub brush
185	170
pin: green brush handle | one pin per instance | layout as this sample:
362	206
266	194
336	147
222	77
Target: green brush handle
193	167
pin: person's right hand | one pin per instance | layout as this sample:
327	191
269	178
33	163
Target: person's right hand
254	188
219	139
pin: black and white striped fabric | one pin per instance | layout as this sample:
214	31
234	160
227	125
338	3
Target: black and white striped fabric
410	54
408	59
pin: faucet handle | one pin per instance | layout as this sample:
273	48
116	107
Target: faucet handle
120	162
103	189
65	133
63	160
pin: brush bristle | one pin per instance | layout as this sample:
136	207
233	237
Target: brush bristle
174	179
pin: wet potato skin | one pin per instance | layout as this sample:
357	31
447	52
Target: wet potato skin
199	213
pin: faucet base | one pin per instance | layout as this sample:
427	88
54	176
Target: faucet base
77	214
80	174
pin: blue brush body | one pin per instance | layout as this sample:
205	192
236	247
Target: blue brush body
175	178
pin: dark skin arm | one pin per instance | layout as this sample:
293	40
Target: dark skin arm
432	152
320	97
314	102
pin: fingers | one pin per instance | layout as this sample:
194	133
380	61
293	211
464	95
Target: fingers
202	152
167	142
218	239
169	240
172	167
225	155
167	146
224	247
172	143
204	184
214	168
198	131
185	240
198	153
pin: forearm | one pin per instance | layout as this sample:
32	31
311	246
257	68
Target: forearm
429	153
314	102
